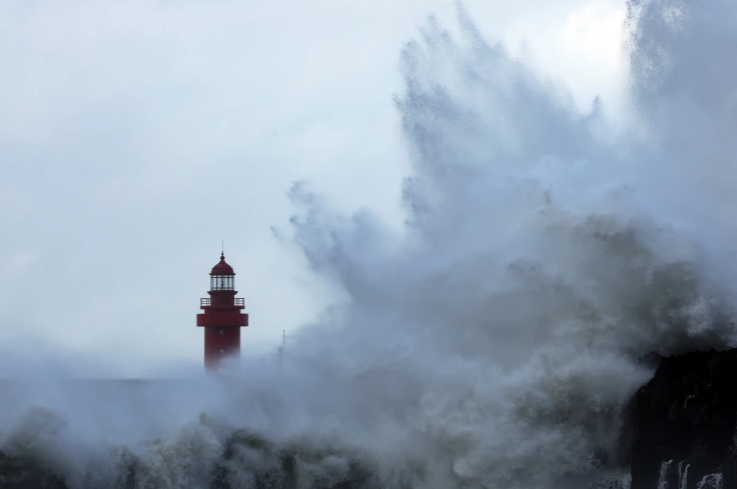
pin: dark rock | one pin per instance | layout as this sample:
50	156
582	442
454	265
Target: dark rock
684	419
24	473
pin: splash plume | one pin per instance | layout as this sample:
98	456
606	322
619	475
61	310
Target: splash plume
494	342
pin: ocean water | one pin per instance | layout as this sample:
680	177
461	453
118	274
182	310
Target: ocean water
493	343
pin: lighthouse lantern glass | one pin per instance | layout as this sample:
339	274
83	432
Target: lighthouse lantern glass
221	282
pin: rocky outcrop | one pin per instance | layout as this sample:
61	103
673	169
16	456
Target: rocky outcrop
683	423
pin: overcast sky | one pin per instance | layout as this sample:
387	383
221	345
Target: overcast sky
135	134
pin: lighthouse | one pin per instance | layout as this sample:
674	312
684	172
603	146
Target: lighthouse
222	317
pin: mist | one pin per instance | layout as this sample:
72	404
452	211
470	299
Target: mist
494	340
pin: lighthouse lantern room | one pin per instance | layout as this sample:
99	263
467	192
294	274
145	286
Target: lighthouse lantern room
222	317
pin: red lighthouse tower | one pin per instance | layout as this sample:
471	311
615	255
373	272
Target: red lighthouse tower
222	318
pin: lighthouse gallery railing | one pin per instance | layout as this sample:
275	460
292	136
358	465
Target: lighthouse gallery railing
238	301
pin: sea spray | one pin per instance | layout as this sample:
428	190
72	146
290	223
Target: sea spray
683	475
665	468
711	481
494	342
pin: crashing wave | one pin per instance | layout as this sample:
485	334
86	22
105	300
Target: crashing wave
492	344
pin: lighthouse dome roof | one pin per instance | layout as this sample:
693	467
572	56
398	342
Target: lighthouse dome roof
222	268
